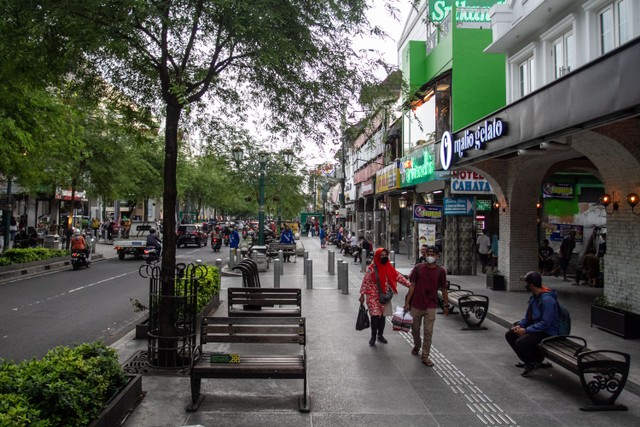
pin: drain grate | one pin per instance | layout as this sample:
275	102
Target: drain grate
139	364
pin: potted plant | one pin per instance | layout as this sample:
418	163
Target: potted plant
615	318
495	281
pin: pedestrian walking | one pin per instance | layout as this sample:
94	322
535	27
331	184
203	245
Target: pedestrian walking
483	244
323	236
422	300
566	252
378	279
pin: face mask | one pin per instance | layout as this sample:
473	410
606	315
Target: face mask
384	260
431	259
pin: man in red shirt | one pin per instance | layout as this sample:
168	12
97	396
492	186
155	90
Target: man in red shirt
422	300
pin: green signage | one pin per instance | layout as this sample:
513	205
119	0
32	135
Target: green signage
483	205
418	167
466	10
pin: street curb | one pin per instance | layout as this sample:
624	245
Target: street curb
36	267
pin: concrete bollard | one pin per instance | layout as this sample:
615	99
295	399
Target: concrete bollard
232	258
340	278
309	267
332	263
306	258
277	267
254	256
363	261
219	264
281	255
344	272
392	257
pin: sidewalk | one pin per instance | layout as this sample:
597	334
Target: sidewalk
473	383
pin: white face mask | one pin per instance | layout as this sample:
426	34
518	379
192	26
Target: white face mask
431	259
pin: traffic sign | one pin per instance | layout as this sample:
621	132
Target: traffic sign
458	206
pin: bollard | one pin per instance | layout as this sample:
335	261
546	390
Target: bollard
306	257
332	263
392	257
309	268
281	255
339	274
345	287
277	267
219	264
254	256
363	261
329	261
281	266
232	259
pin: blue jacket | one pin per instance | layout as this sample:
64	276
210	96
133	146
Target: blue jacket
234	239
287	236
542	314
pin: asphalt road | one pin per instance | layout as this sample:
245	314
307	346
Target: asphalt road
68	307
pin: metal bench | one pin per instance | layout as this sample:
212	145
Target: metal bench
286	248
473	308
264	302
603	373
255	363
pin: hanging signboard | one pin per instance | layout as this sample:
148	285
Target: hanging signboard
427	213
458	206
387	178
557	190
426	234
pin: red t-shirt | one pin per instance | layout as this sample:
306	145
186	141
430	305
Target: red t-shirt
427	281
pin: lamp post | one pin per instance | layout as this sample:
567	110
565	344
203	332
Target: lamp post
263	157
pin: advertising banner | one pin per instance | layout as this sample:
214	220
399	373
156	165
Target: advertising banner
458	206
557	190
426	234
427	213
387	178
560	231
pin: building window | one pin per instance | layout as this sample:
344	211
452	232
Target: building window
613	25
563	53
526	76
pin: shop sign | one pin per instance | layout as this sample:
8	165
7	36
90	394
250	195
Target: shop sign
66	195
473	10
418	167
387	178
427	234
458	206
483	205
365	189
468	182
427	213
486	132
557	190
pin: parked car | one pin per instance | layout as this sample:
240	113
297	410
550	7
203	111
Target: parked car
190	234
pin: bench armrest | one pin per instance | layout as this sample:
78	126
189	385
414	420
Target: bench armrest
449	285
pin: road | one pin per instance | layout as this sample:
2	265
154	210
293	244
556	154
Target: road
67	307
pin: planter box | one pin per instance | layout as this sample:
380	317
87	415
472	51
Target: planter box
617	322
120	404
142	328
495	282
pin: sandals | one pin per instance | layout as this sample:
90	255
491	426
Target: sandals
415	351
428	363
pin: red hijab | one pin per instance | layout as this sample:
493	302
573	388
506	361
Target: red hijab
386	272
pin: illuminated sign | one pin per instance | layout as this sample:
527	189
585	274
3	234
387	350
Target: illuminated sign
469	183
427	213
466	10
551	190
470	139
418	167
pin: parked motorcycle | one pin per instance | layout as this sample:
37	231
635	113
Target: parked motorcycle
216	244
150	254
79	259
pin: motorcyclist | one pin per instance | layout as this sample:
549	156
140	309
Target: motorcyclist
153	240
78	243
215	235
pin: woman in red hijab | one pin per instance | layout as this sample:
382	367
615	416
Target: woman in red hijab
389	278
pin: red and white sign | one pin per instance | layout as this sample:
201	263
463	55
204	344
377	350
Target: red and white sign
467	182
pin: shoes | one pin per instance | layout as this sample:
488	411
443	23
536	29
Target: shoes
382	339
427	362
530	369
372	341
542	365
415	351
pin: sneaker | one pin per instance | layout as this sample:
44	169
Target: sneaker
530	369
382	339
372	341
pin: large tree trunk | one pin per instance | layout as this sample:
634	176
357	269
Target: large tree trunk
168	350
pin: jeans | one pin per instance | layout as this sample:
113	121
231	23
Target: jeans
428	319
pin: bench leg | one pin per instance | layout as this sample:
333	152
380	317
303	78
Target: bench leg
603	380
473	313
196	397
304	402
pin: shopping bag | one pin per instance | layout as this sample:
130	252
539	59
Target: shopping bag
362	322
407	322
397	318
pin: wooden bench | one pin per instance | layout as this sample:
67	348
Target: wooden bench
264	302
473	308
287	249
603	373
257	362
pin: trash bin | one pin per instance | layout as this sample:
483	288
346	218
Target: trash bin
51	241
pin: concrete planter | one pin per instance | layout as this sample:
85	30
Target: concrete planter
618	322
120	404
142	328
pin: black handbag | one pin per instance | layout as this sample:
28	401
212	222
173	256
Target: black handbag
384	297
362	322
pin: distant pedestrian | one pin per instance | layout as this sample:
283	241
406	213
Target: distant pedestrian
287	238
323	237
566	252
494	252
483	244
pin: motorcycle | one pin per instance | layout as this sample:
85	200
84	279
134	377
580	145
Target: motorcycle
79	259
150	254
216	244
226	240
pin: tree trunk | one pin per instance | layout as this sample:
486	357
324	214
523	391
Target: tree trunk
168	349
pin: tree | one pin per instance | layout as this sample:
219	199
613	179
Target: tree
291	57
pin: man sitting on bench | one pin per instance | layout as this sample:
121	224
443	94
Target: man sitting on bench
541	320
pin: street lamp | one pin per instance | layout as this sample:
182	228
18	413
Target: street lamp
263	157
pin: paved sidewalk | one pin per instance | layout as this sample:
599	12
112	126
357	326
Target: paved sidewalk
473	383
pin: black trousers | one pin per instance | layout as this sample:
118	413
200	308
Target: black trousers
377	325
526	346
